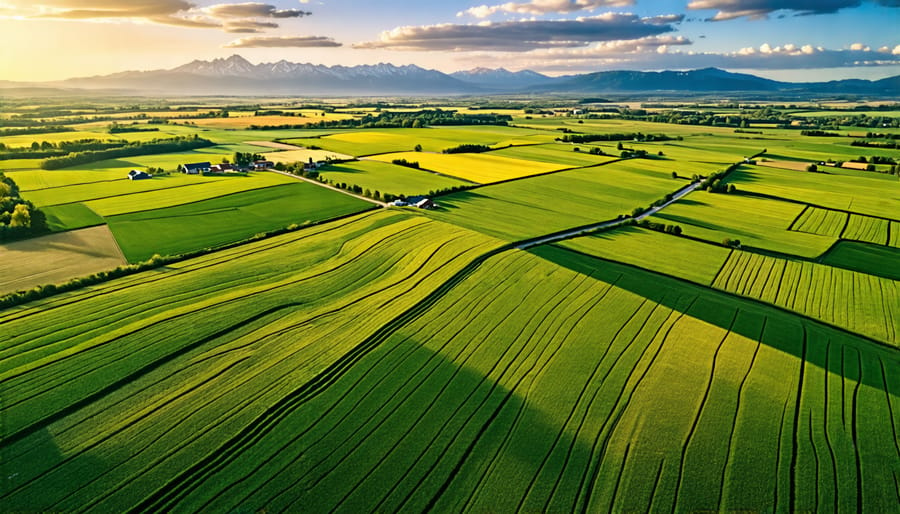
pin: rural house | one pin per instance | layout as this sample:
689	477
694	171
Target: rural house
262	165
138	175
195	168
221	168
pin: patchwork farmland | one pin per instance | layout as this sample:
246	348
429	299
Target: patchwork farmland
286	335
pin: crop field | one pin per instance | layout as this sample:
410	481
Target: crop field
866	258
304	155
856	194
71	216
754	221
224	219
387	178
868	229
482	168
379	397
554	153
640	247
434	139
56	258
824	222
861	303
544	204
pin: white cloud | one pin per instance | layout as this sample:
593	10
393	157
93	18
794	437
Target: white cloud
761	9
283	42
538	7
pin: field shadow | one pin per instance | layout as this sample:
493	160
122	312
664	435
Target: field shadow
658	288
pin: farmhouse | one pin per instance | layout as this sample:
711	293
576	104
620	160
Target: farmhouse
221	168
195	168
421	202
138	175
262	165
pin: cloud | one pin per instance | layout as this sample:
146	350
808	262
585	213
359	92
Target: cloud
761	9
523	35
252	10
283	42
543	7
238	17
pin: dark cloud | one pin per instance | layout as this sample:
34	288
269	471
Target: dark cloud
283	42
761	9
253	10
524	35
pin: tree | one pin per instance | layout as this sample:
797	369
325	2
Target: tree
732	189
619	146
21	217
418	148
35	146
5	190
812	167
674	174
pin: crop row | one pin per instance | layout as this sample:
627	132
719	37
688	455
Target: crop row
857	301
548	382
824	222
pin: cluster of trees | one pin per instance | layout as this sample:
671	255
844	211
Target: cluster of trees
875	159
876	144
155	146
731	243
595	150
714	183
411	119
22	131
297	168
660	227
18	218
819	133
634	136
467	148
115	128
243	159
879	135
404	162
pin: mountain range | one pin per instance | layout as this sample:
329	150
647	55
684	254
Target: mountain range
237	76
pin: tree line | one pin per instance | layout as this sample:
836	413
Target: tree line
155	146
18	217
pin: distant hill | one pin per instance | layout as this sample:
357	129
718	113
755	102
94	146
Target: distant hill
237	76
503	79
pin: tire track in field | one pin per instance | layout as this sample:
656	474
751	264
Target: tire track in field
386	416
177	488
792	470
473	306
332	312
703	400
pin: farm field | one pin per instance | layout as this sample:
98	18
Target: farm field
862	303
305	350
862	196
56	258
756	222
641	247
410	413
482	168
434	139
545	204
387	178
218	221
866	258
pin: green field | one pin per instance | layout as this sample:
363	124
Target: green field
862	303
256	379
370	359
866	258
641	247
757	222
218	221
387	178
434	139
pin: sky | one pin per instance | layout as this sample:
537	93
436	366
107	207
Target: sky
796	40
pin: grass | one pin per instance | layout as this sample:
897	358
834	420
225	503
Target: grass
641	247
221	220
865	258
554	153
57	258
71	216
550	203
860	195
861	303
387	178
756	222
482	168
523	386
